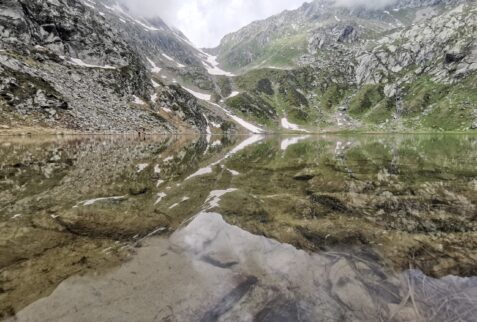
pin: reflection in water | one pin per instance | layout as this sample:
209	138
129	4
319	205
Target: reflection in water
213	271
363	206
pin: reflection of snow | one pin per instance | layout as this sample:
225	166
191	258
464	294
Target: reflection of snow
138	101
202	262
160	196
207	170
141	167
291	141
214	197
93	201
178	203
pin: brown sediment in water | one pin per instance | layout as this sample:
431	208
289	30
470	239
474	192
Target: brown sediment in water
412	200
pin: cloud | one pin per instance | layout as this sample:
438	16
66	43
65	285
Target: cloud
205	22
370	4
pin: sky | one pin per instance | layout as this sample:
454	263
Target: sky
205	22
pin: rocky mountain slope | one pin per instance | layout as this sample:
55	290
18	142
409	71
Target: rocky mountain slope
93	67
410	66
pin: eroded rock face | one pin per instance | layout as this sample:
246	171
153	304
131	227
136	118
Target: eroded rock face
437	47
64	64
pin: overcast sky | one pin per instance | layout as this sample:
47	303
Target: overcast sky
205	22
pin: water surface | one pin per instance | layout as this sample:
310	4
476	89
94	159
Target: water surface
260	228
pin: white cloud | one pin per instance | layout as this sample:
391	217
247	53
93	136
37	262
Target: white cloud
371	4
205	22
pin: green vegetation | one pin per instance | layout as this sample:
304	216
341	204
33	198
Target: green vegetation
454	110
367	97
332	96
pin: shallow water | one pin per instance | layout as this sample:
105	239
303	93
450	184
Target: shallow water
260	228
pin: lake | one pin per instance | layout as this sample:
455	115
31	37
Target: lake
239	228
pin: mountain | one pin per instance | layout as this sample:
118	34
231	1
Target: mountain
95	66
409	66
92	66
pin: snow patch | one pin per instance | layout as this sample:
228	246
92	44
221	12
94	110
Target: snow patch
249	126
290	126
154	84
234	93
89	5
172	59
337	19
207	170
154	69
79	62
201	96
146	27
212	66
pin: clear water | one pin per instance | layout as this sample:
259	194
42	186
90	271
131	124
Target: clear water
260	228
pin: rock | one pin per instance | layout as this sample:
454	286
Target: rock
348	35
453	57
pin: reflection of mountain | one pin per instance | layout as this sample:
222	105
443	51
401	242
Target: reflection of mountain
86	200
215	271
41	184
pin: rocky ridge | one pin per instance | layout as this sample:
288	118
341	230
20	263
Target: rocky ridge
67	64
408	66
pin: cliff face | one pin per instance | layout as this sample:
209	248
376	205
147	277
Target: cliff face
408	66
94	66
68	64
